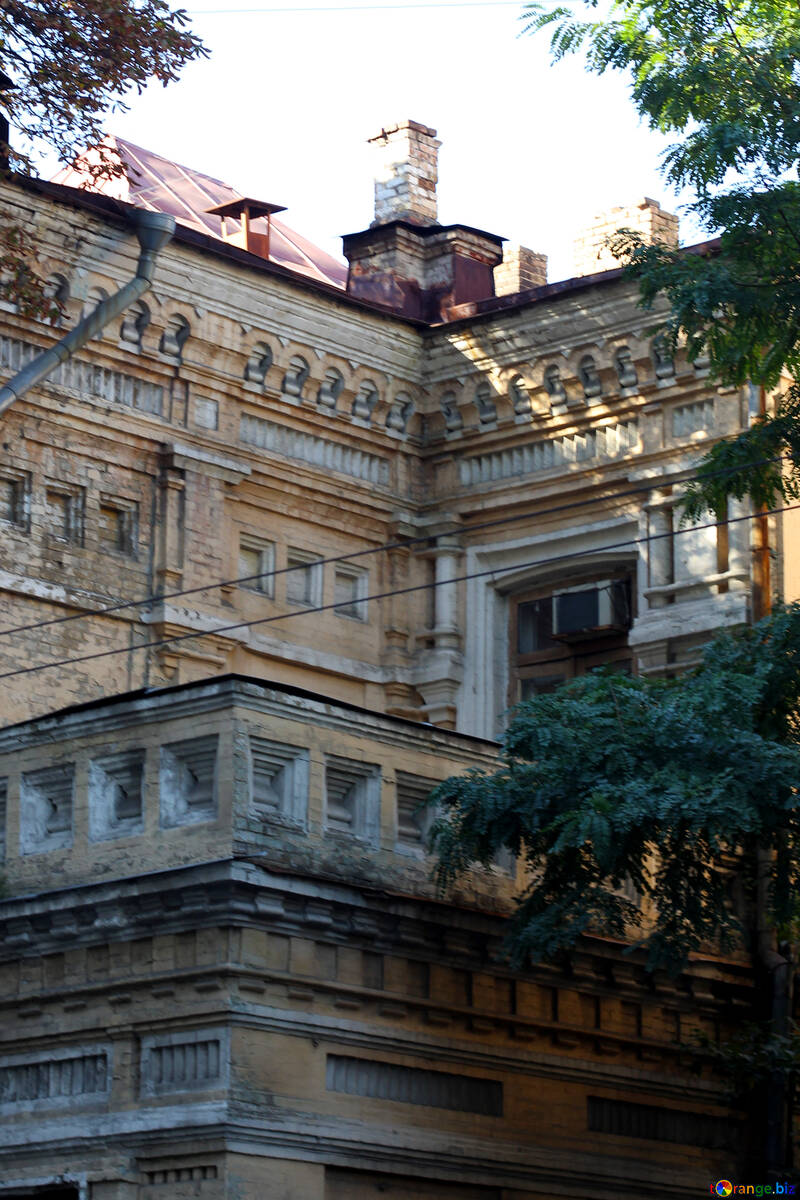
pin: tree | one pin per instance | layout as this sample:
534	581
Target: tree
723	75
63	65
686	789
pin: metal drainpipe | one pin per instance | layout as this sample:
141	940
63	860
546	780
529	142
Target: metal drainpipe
153	230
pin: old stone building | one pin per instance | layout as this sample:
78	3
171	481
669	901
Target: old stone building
293	541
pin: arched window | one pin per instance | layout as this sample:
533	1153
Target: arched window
452	417
134	322
175	336
330	389
518	394
258	363
295	378
662	357
400	412
365	401
554	385
626	371
590	379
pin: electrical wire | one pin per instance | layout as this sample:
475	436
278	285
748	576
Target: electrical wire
400	544
337	8
418	587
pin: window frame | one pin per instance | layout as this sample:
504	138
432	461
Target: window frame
296	557
128	510
266	552
74	534
360	604
566	660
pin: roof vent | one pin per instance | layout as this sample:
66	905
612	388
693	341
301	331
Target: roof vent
245	210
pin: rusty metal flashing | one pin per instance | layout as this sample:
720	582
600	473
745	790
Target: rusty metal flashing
108	207
425	230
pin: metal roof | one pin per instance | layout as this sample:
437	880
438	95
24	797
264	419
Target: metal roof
151	181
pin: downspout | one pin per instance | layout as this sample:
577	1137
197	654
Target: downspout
153	230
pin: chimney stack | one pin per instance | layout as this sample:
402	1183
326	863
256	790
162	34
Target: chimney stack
407	174
406	260
647	218
520	270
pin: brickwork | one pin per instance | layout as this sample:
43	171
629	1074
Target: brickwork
225	969
520	270
406	174
591	252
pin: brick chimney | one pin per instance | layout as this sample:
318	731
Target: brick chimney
646	217
520	270
406	261
407	155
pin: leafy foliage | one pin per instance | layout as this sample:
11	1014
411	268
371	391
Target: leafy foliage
722	74
615	782
751	1058
69	62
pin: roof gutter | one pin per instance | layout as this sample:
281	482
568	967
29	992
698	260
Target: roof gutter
153	230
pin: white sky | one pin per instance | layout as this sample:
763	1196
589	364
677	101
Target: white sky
284	105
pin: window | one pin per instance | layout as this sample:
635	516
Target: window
118	525
350	588
304	578
64	513
256	565
15	498
563	632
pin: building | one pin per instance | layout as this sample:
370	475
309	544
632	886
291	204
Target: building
225	968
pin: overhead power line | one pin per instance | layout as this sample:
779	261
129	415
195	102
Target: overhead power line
399	544
337	8
495	572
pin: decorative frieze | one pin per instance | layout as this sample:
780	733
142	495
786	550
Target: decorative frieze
607	441
190	1060
331	456
87	378
46	803
413	820
624	1119
54	1076
410	1085
693	418
115	795
278	781
188	781
353	798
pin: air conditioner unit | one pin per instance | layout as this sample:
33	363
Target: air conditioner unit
601	609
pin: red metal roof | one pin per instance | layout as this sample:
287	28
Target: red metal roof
153	182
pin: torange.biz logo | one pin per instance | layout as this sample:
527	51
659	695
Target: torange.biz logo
724	1187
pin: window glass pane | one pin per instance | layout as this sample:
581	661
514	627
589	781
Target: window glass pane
535	626
540	686
9	500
